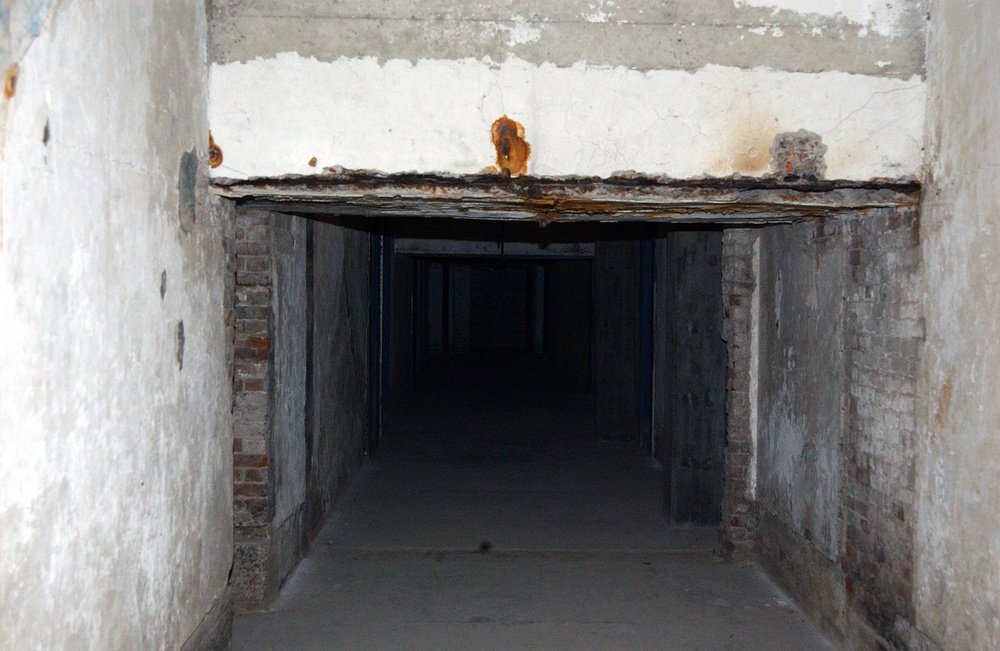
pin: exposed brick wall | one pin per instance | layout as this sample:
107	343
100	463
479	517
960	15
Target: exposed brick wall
739	515
252	510
883	338
861	591
288	469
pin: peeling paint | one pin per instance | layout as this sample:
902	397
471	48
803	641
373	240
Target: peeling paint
600	12
520	31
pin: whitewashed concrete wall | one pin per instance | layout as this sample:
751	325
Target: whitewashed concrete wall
957	577
272	117
115	443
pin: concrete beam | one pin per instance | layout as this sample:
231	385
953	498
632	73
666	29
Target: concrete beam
875	37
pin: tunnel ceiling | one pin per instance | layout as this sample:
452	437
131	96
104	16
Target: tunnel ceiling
725	201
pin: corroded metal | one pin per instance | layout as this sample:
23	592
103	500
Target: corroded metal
732	200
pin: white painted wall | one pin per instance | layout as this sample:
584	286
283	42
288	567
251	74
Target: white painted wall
272	116
115	462
957	546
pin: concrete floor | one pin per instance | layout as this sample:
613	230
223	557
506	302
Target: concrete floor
489	518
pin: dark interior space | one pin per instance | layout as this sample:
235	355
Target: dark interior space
622	320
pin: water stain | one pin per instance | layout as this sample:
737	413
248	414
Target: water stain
744	142
214	152
746	153
512	149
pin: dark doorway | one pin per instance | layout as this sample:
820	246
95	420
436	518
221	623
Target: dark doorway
627	315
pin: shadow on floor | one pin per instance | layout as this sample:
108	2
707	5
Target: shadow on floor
491	518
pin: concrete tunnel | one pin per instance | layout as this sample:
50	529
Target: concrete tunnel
618	362
393	324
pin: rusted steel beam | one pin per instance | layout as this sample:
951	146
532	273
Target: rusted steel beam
733	200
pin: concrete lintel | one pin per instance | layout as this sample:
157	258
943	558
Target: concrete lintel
727	201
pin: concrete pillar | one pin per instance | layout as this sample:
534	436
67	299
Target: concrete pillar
615	320
739	296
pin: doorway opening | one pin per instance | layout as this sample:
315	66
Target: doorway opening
651	311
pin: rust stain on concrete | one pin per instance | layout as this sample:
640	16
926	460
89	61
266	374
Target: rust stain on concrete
745	143
313	161
512	149
10	81
214	152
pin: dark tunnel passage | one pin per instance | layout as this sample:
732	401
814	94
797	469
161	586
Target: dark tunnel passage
506	341
545	423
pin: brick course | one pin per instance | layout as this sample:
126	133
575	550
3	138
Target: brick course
251	370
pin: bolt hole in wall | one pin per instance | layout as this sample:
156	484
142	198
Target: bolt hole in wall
627	315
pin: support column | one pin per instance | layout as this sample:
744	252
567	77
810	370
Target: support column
739	285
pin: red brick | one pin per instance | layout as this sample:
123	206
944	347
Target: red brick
254	475
250	460
253	384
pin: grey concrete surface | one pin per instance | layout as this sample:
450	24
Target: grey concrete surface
956	541
645	34
579	554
